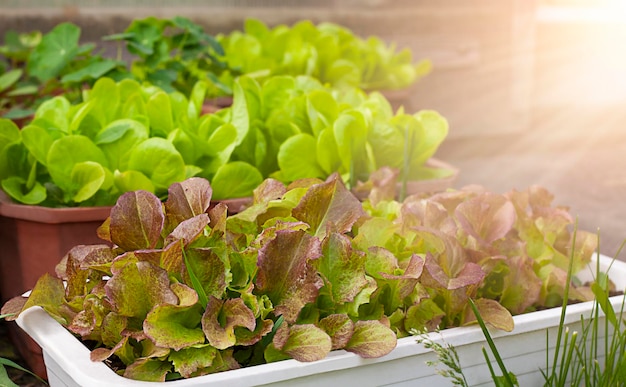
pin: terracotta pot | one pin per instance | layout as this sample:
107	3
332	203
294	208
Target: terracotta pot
214	104
236	205
434	185
33	240
422	186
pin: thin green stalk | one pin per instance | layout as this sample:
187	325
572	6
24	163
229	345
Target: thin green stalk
492	345
568	280
406	165
352	172
492	372
566	361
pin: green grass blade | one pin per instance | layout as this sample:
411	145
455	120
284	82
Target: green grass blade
5	381
505	373
6	362
195	282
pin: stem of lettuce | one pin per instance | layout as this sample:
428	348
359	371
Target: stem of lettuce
405	166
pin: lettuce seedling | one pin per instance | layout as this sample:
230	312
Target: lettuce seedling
41	66
174	54
329	52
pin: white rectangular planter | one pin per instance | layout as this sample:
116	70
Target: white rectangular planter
523	349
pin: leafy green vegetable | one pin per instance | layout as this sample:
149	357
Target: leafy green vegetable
41	66
329	52
174	54
188	290
291	128
55	52
94	151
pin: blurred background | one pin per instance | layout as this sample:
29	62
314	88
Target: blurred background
534	90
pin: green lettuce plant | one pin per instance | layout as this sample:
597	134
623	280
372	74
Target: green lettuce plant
290	128
287	128
329	52
89	153
36	67
308	268
174	54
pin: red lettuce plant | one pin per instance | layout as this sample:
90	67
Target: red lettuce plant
306	269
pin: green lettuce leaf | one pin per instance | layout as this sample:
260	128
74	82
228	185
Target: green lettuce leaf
342	268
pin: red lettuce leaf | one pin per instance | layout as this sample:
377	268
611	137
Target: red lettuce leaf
149	370
401	285
187	199
442	276
187	361
188	230
112	327
136	221
487	217
123	349
305	343
329	204
371	339
270	189
49	293
247	337
492	313
427	314
339	327
285	273
522	286
170	258
211	269
174	326
90	318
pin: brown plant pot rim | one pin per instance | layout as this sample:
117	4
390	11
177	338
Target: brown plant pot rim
10	209
439	183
